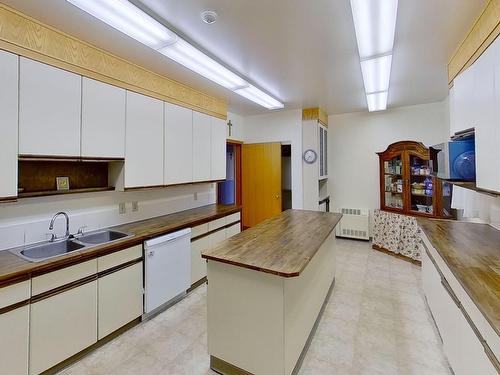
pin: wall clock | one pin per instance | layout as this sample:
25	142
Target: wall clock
310	156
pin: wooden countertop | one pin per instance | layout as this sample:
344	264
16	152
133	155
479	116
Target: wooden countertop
14	268
282	245
472	253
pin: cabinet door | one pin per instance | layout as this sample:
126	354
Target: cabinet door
62	325
144	141
103	120
233	230
8	124
218	154
198	264
49	110
120	299
486	123
464	99
202	129
392	195
14	326
178	144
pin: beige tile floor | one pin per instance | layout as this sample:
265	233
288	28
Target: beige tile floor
376	322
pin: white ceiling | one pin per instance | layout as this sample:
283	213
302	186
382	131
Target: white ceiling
302	52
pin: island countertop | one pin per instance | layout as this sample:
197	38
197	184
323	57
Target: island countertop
282	245
472	253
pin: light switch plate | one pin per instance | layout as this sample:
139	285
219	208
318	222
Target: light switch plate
121	208
195	195
135	206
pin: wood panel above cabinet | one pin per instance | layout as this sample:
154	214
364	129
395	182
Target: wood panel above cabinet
49	110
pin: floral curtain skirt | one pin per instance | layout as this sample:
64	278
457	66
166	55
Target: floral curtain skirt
397	233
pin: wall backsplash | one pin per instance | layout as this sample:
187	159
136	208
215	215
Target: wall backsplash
27	221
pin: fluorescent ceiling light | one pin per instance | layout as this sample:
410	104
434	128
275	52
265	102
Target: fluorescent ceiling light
185	54
258	96
375	24
376	73
377	101
130	20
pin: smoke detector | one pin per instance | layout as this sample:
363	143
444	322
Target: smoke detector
209	17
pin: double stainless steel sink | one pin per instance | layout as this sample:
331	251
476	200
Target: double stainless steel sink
50	249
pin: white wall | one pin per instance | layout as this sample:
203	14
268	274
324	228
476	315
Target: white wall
285	127
237	129
27	220
354	139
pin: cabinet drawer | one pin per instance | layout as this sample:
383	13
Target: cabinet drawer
217	237
215	224
115	259
233	218
64	276
15	293
120	299
199	230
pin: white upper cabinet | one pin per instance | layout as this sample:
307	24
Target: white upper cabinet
144	141
49	110
487	145
202	129
463	101
8	124
103	120
178	144
218	149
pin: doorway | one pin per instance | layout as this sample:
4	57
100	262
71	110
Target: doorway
286	177
229	190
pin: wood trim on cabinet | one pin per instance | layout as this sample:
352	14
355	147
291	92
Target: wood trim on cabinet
399	256
315	114
170	185
482	33
63	288
14	306
119	267
8	199
28	157
215	230
198	283
25	36
15	280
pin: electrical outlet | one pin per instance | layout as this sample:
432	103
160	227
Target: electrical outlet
195	195
121	208
135	206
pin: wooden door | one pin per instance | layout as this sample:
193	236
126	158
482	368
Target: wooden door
261	182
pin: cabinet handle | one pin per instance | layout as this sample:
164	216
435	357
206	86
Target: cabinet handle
452	294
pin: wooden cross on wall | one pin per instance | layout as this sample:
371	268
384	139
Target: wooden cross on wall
230	126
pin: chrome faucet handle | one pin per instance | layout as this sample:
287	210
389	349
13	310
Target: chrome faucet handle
81	230
53	237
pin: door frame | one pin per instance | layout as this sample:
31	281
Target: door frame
237	172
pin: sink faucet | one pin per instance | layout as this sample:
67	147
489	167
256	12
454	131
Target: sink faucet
51	226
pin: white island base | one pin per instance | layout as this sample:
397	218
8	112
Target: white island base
261	323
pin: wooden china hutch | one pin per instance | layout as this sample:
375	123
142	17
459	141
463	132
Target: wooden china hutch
406	183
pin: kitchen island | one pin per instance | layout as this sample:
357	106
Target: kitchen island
266	290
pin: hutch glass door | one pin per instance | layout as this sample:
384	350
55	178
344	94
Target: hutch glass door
421	192
393	183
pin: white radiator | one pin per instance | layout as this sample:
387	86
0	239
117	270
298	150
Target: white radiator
355	223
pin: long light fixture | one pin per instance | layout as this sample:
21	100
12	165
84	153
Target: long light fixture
375	25
127	18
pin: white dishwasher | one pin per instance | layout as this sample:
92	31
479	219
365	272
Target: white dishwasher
167	270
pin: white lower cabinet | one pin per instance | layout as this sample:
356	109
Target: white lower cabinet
62	325
233	230
120	299
198	264
14	334
462	347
